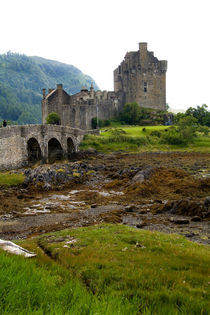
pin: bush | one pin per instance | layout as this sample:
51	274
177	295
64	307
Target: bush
101	123
155	133
53	119
175	137
131	113
204	129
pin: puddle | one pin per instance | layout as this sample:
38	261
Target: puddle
60	197
102	193
32	211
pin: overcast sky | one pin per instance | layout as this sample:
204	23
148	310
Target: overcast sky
94	35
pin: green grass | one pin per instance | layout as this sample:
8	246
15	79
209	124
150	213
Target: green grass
134	139
8	179
109	269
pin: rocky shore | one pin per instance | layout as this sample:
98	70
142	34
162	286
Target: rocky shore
169	192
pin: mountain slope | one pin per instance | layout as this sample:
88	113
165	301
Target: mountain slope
22	79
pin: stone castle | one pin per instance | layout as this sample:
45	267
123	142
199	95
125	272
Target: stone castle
140	78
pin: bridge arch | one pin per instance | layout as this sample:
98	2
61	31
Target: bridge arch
55	150
70	147
33	150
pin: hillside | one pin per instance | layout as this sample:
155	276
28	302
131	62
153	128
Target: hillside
22	79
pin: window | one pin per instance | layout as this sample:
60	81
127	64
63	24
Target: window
145	89
145	84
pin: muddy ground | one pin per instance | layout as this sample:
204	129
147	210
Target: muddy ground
168	192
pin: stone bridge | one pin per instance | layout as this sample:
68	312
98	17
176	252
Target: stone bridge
20	145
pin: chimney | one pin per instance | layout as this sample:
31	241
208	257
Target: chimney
59	86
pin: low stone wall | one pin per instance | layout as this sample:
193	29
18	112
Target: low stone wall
12	153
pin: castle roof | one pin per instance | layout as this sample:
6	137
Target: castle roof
52	92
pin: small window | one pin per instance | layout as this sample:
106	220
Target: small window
145	89
145	84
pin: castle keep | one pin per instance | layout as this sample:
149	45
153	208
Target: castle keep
140	78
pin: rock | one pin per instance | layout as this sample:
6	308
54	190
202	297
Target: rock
142	175
207	202
130	208
190	235
140	224
162	207
196	219
188	207
15	249
47	186
181	221
94	205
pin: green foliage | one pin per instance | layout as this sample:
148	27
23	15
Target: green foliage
200	113
94	123
151	138
204	129
131	113
22	79
8	179
155	133
102	123
183	134
53	119
174	137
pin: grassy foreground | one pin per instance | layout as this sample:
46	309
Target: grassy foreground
106	269
139	139
8	179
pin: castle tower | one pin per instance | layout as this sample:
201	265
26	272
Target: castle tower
141	78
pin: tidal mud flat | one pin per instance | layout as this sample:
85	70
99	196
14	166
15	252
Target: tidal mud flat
168	192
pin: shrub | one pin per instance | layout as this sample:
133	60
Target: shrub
101	123
53	119
204	130
155	133
131	113
94	123
118	132
174	137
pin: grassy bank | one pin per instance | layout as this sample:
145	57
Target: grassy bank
8	179
106	269
140	139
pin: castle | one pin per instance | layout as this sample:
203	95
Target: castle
140	78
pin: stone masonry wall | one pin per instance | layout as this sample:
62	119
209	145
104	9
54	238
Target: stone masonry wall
12	153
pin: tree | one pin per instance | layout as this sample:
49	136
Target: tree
200	113
131	113
53	119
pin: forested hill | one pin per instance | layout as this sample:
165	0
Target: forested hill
22	79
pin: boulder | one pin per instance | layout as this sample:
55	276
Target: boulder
143	175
